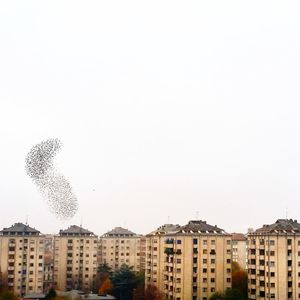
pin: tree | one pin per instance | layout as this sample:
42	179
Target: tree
153	293
239	280
7	295
51	294
104	272
239	288
106	287
125	281
217	296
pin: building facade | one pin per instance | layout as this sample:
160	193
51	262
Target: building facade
189	262
122	246
274	261
49	262
239	249
75	259
155	258
22	259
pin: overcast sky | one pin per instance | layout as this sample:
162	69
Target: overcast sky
164	109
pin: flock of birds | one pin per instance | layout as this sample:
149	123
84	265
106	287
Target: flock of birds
53	185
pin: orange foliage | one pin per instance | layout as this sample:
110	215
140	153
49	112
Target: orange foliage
239	278
153	293
105	287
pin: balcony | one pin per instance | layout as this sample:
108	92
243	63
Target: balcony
169	251
169	241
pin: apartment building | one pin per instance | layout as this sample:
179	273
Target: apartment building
75	259
239	249
155	256
189	262
22	258
121	246
48	262
274	261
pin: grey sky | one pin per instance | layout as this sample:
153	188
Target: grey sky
164	108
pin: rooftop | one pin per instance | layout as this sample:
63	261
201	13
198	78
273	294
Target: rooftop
118	232
75	230
200	227
193	227
19	229
164	229
238	237
281	226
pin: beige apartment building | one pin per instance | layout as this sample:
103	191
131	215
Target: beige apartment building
22	258
189	262
239	249
75	259
155	256
49	262
274	261
122	246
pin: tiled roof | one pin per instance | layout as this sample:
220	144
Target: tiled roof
164	229
193	227
238	237
201	227
119	231
280	226
19	229
76	230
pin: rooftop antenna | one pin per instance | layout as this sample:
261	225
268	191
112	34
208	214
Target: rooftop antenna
81	222
26	220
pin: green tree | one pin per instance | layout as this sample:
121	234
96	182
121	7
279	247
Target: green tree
51	295
125	281
217	296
